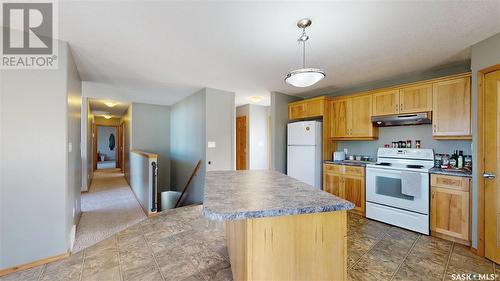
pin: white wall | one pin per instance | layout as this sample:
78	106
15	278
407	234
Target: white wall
74	161
187	145
207	115
127	141
38	119
279	121
257	135
220	119
141	180
151	133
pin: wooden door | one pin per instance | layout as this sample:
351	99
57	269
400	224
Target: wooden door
332	184
340	120
386	103
241	143
491	165
450	213
360	117
354	191
415	99
451	109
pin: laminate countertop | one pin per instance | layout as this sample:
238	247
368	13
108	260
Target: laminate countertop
451	172
236	195
349	162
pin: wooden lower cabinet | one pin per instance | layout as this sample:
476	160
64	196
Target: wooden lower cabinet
450	208
346	182
300	247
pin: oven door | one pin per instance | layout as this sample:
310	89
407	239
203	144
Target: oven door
383	186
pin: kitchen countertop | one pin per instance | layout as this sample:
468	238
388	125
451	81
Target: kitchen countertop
236	195
349	162
449	172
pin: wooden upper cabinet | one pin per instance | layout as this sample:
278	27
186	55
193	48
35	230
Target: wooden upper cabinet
351	118
361	117
306	109
451	109
339	123
296	111
415	99
386	103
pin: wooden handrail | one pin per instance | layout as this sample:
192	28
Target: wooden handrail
188	182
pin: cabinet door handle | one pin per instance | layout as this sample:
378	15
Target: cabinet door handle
401	106
434	126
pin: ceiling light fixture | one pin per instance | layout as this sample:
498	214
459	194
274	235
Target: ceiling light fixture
304	77
107	116
255	99
110	104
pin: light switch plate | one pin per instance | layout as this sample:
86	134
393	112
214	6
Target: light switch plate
211	144
70	147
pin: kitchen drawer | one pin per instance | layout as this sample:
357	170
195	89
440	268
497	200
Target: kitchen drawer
452	182
333	168
344	169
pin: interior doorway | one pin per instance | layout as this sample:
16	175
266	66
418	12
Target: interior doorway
108	147
241	143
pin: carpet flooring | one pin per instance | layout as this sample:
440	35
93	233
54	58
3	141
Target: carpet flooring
108	208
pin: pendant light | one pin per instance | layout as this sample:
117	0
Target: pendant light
304	77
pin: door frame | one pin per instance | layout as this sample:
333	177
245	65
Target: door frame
480	158
117	143
245	118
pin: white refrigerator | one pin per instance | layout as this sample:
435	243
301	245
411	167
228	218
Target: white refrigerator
304	152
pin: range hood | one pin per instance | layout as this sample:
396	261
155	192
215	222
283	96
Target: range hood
402	119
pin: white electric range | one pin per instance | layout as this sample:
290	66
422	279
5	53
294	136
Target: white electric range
386	200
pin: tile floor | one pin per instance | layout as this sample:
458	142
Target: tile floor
182	245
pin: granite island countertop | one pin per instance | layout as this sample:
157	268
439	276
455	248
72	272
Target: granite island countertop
451	172
236	195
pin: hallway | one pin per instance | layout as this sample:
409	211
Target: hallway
109	207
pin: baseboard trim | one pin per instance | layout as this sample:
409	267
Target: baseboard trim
33	264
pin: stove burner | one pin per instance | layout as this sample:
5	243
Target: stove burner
414	166
383	164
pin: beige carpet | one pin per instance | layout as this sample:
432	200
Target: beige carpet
109	207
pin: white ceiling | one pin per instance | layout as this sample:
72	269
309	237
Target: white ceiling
161	52
99	107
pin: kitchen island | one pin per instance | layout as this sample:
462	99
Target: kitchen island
278	228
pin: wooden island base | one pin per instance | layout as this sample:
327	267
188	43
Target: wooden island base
298	247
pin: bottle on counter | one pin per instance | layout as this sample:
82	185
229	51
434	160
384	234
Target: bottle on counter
417	143
438	158
460	159
403	144
468	162
445	162
408	143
